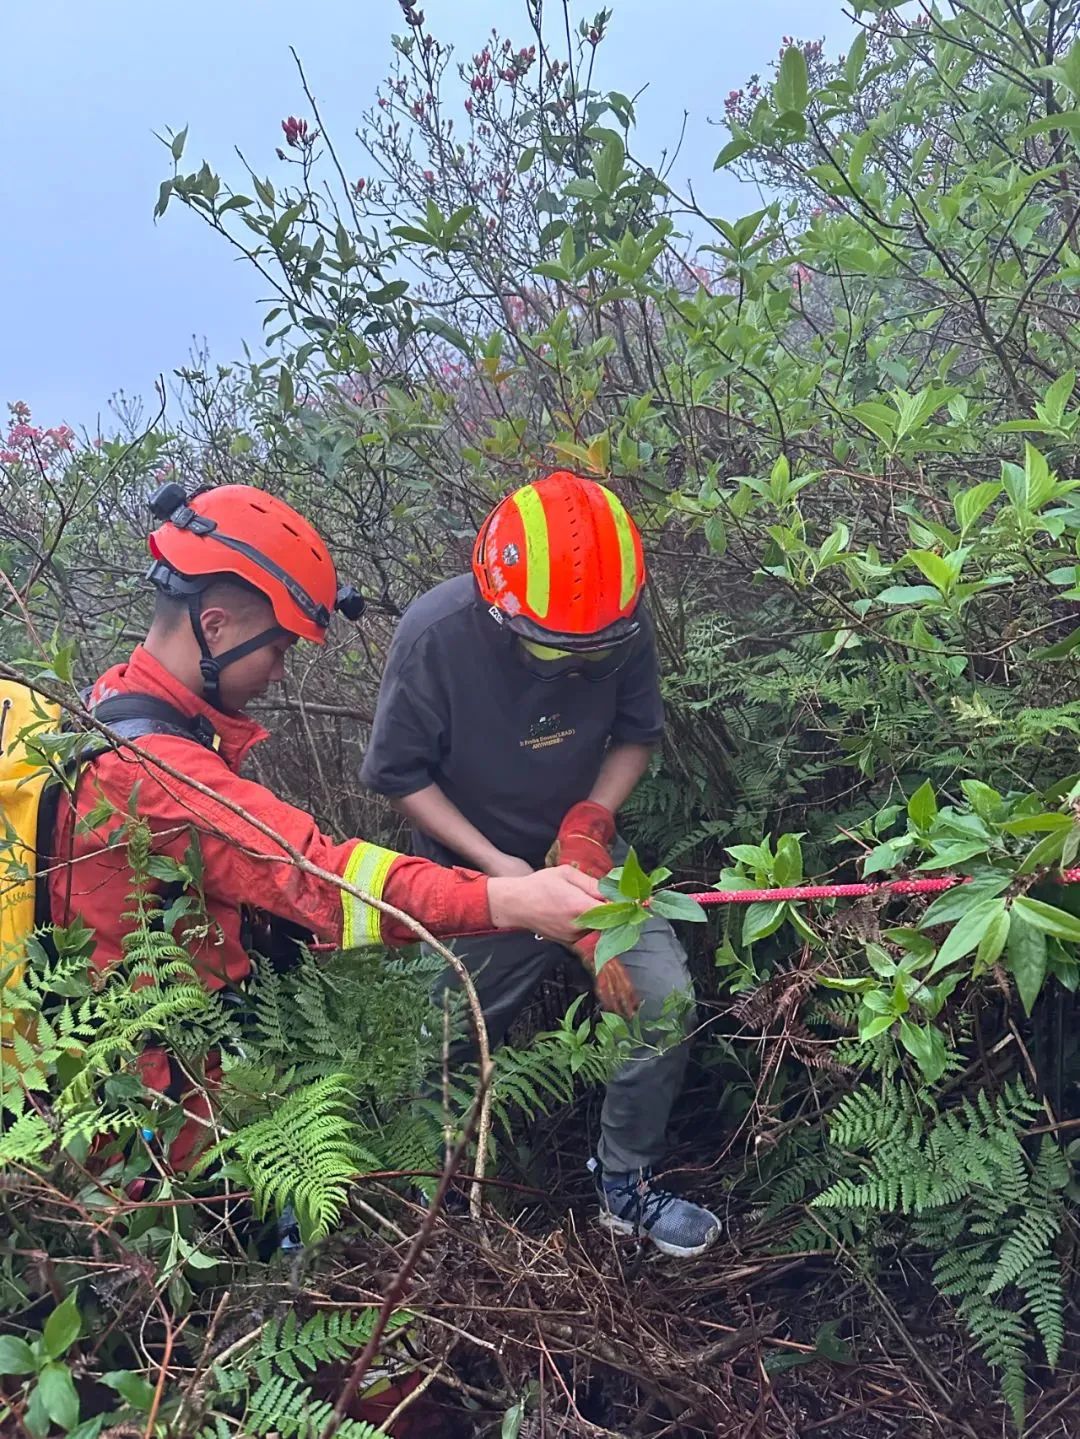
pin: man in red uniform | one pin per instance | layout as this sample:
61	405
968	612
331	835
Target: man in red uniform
518	710
240	577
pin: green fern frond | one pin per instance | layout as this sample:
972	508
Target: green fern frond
288	1409
304	1153
287	1347
25	1141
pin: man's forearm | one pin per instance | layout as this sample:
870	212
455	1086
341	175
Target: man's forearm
623	766
430	810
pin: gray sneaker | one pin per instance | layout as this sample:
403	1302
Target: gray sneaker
633	1204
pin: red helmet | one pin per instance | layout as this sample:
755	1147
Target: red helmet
560	562
239	531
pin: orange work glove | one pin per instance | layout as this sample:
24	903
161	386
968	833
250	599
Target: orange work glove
585	838
584	841
613	986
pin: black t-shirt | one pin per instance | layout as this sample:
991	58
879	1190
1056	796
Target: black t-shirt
458	708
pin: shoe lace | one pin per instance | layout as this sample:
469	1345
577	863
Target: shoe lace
649	1203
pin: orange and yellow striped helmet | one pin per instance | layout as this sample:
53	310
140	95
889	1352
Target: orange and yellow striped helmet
560	561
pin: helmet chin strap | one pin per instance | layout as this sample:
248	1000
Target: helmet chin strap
210	665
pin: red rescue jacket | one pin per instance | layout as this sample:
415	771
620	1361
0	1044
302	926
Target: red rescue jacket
241	865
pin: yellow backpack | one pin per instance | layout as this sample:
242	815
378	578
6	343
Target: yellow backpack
29	793
25	717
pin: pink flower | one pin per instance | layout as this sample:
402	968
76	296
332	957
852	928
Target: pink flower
9	457
429	176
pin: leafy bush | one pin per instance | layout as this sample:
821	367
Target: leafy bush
847	423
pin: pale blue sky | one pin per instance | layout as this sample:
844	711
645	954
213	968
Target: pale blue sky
97	298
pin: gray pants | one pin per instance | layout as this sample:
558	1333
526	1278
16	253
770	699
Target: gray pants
507	968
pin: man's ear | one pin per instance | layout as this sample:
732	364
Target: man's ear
215	621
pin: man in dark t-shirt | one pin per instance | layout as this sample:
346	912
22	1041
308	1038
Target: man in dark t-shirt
518	710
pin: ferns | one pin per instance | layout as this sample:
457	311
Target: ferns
303	1152
287	1346
25	1141
284	1407
974	1198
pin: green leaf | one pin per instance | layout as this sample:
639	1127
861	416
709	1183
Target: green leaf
922	806
926	1045
607	916
1058	395
1026	957
992	943
526	160
907	595
879	419
875	1025
966	933
732	150
62	1328
761	920
609	163
581	188
16	1356
131	1387
972	503
856	59
436	325
511	1425
1038	481
633	881
670	904
58	1396
751	855
616	941
882	857
936	570
1048	820
788	867
949	856
1048	918
716	534
910	941
792	89
846	986
176	145
950	906
1048	851
286	390
1060	649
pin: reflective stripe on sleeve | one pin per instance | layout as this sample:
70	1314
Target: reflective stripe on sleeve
367	869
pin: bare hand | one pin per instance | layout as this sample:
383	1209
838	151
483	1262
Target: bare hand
507	866
547	902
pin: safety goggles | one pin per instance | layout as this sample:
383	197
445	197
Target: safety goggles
547	662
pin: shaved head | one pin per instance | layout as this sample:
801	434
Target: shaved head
235	596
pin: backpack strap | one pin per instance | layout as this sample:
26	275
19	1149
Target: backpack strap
131	717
